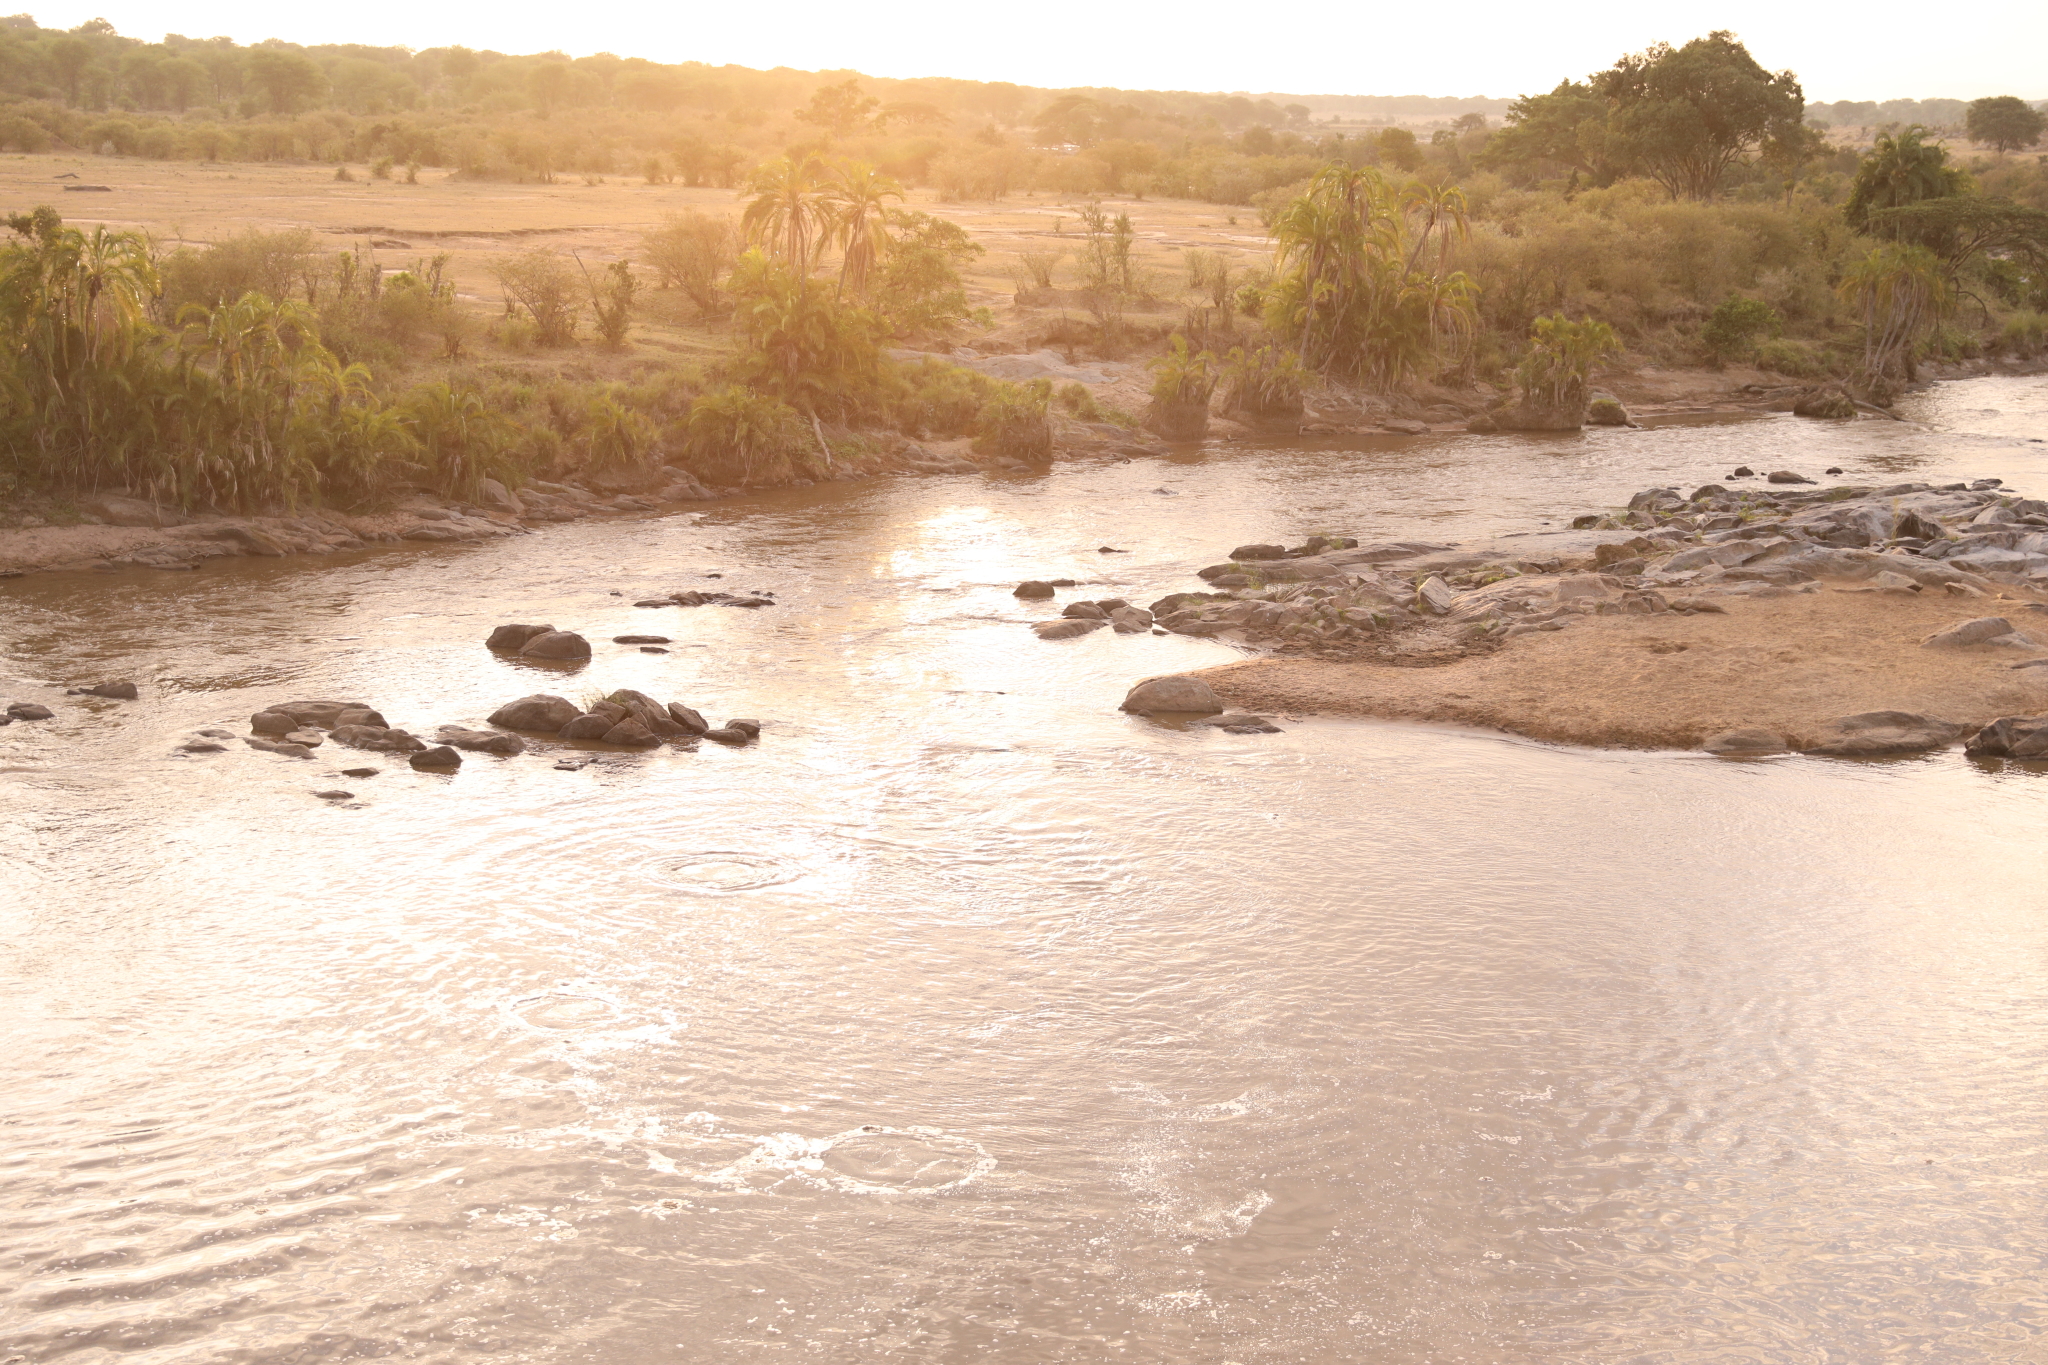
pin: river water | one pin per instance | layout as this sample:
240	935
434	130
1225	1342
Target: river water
965	1019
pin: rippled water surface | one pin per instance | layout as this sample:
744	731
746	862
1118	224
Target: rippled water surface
964	1019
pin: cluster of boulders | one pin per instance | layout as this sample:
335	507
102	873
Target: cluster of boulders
626	718
1080	618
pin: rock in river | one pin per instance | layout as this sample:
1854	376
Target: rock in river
119	691
482	741
28	710
537	712
438	757
556	644
1174	693
511	639
1032	588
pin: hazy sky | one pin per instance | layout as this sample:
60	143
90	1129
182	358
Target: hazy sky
1873	51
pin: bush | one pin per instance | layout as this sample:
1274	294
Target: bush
2024	334
1263	384
1736	324
1794	359
276	265
690	252
738	435
919	289
542	284
1181	387
1015	422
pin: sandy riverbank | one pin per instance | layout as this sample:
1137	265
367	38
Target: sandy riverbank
1788	665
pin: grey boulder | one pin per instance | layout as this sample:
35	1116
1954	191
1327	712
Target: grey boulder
556	644
1745	743
513	638
1175	693
438	757
1884	734
2010	737
482	741
540	711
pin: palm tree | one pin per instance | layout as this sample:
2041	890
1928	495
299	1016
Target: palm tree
1903	291
1348	291
1901	169
860	220
789	214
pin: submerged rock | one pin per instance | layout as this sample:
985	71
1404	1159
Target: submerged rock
1066	628
117	691
1239	723
482	741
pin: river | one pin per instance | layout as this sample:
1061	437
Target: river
965	1019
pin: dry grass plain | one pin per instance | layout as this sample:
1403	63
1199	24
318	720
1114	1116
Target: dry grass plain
479	224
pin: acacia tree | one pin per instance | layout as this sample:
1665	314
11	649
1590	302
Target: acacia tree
1685	115
2005	122
1568	126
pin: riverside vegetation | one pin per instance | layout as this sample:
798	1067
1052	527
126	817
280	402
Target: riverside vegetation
1681	207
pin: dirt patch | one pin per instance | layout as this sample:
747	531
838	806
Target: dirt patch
1787	664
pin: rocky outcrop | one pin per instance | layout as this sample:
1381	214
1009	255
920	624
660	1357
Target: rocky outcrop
1885	734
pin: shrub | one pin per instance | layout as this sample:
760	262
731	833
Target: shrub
691	251
1265	383
2024	334
738	435
1181	385
1794	359
1015	422
544	286
919	288
1736	324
